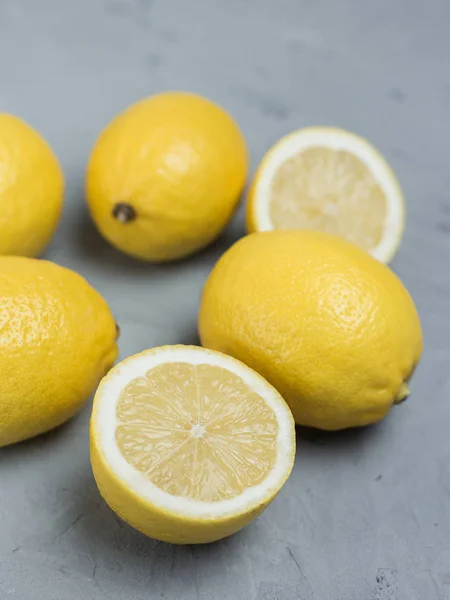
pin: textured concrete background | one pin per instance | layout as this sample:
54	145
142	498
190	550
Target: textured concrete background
365	515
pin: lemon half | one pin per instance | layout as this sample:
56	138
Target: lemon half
189	445
330	180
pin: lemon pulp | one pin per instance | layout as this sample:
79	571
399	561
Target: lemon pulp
329	190
196	431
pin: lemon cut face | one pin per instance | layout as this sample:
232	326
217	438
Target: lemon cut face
175	429
329	180
191	434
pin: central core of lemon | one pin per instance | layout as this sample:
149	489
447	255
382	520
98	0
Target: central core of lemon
329	190
197	431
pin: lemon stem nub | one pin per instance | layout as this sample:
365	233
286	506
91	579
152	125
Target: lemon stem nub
403	393
123	212
117	332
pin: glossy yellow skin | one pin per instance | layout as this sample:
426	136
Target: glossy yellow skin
156	522
180	162
31	189
333	329
57	340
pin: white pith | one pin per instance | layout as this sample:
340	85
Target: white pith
105	422
335	139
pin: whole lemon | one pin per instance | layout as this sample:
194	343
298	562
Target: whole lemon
31	189
333	329
165	176
57	340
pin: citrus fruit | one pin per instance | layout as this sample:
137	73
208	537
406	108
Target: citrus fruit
31	189
188	445
330	180
333	329
165	176
57	340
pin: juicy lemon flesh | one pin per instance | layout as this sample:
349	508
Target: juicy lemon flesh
332	191
196	431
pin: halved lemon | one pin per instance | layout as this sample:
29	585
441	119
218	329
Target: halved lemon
330	180
189	445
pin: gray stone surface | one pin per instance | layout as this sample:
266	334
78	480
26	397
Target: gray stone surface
365	515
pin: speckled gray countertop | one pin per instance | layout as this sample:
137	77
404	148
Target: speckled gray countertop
366	514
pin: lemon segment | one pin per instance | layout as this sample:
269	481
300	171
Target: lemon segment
329	180
188	445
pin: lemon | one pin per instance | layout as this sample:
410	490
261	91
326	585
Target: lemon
57	340
187	445
333	329
329	180
165	176
31	189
